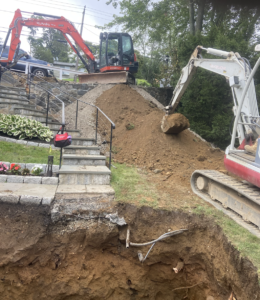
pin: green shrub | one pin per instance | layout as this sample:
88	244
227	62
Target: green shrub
24	128
142	82
130	126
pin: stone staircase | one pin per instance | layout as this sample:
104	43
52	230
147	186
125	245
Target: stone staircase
83	169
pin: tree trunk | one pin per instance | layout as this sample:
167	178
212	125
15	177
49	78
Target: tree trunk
192	22
200	15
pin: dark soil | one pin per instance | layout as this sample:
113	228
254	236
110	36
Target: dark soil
88	259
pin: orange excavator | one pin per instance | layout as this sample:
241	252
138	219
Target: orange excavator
116	64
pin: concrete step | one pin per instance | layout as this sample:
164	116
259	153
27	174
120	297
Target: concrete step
35	117
95	175
82	150
29	111
81	141
14	97
84	160
13	91
73	132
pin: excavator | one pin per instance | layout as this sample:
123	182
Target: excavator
239	195
116	64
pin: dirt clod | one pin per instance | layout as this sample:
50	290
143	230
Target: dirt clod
174	124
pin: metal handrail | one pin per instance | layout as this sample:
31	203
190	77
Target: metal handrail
114	126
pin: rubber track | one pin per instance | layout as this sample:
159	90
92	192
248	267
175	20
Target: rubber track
250	192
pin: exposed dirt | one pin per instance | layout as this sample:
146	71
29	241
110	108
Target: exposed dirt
173	157
88	260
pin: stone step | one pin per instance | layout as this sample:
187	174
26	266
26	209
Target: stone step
7	100
13	91
35	117
84	160
29	111
81	141
12	106
95	175
10	96
83	150
54	126
85	189
73	132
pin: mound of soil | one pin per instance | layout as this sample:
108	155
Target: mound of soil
175	123
146	146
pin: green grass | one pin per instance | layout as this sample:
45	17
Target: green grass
245	242
11	152
131	187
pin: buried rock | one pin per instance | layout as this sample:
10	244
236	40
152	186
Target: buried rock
174	123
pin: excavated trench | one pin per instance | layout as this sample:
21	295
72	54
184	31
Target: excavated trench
88	259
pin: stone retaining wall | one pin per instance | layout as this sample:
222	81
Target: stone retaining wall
63	90
163	95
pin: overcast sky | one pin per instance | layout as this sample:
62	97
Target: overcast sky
97	13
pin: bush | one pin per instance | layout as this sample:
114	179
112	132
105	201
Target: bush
24	128
142	82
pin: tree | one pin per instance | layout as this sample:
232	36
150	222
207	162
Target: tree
48	46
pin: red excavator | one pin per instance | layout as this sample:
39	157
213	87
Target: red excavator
116	64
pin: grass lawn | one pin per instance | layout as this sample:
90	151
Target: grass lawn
132	187
11	152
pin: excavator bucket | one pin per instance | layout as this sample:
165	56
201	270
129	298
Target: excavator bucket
174	124
105	78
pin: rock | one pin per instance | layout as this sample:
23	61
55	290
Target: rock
174	124
156	171
201	158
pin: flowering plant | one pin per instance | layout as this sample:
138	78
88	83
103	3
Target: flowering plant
15	169
37	170
3	168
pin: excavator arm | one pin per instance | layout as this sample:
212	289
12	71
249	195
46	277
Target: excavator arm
235	69
59	23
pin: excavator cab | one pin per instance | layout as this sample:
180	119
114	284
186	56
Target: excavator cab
117	53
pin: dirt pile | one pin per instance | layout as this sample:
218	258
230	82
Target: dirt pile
88	259
174	123
145	145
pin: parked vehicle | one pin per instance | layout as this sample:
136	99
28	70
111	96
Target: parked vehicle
27	58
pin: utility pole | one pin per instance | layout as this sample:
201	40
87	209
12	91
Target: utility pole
81	30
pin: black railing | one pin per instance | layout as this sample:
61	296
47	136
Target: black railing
112	125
